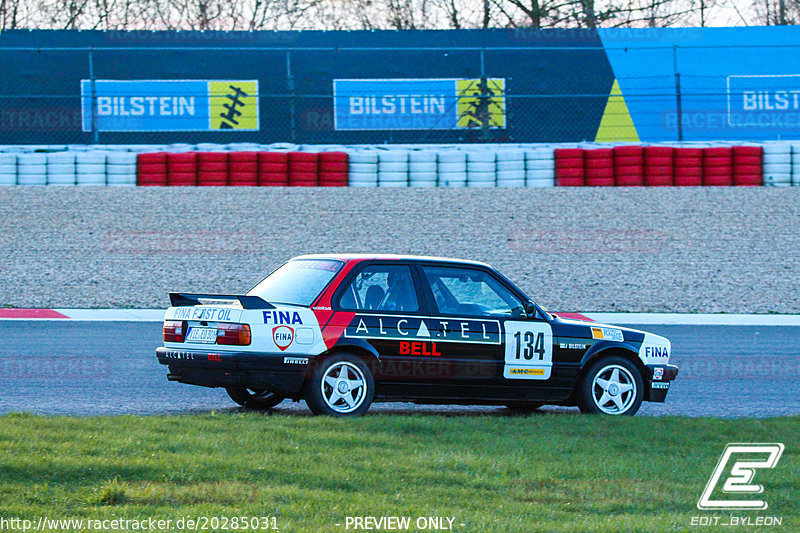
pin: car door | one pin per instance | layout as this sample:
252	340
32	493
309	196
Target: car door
390	315
494	347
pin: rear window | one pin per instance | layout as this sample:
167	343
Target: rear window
297	282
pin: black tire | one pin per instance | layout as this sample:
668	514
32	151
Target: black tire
524	407
618	401
346	399
254	398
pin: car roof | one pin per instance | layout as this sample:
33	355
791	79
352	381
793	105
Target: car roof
392	257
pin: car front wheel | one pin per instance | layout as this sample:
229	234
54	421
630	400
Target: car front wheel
342	385
612	386
254	398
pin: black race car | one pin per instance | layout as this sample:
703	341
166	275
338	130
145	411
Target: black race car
342	331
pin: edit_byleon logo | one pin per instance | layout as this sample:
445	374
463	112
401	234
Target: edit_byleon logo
745	460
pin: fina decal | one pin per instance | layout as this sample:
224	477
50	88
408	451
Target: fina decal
658	373
283	336
656	352
608	334
282	317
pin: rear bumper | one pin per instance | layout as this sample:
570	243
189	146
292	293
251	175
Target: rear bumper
659	378
277	372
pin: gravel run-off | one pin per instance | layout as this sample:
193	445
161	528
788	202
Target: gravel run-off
572	249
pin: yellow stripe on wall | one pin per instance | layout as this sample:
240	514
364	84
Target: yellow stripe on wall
616	124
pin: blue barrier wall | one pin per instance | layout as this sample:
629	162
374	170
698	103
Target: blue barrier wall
735	83
538	86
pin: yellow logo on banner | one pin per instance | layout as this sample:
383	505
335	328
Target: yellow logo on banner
481	103
233	105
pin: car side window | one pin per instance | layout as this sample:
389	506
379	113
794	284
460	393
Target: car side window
460	291
381	288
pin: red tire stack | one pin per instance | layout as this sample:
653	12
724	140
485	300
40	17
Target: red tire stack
333	169
303	169
718	166
629	166
243	169
748	167
598	167
151	169
212	169
273	169
658	166
569	167
688	168
182	169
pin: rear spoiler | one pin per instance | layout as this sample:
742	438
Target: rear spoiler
182	299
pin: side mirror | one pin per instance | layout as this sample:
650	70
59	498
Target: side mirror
530	309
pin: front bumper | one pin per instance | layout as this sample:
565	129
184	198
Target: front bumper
277	372
659	378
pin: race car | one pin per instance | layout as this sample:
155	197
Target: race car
342	331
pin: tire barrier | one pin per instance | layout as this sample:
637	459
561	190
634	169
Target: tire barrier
569	167
628	166
773	163
664	166
778	164
687	167
151	169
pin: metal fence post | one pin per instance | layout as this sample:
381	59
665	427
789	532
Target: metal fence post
290	88
678	103
93	97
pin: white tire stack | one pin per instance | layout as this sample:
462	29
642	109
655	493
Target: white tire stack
177	148
540	167
452	168
8	169
795	176
511	168
481	168
422	168
778	164
61	168
32	169
392	168
91	168
363	168
212	147
121	168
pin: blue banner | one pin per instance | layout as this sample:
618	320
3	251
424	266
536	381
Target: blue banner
764	100
418	104
169	105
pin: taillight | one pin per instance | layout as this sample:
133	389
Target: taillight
174	330
238	334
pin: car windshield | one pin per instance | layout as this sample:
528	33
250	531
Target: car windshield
297	282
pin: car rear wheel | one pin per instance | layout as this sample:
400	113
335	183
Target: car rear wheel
612	386
342	385
254	398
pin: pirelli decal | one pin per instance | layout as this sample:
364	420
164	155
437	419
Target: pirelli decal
440	329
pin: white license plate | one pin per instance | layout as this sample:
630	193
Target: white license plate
203	335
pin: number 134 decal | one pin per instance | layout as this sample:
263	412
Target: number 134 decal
529	350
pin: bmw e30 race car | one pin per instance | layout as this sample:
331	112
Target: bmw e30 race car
342	331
